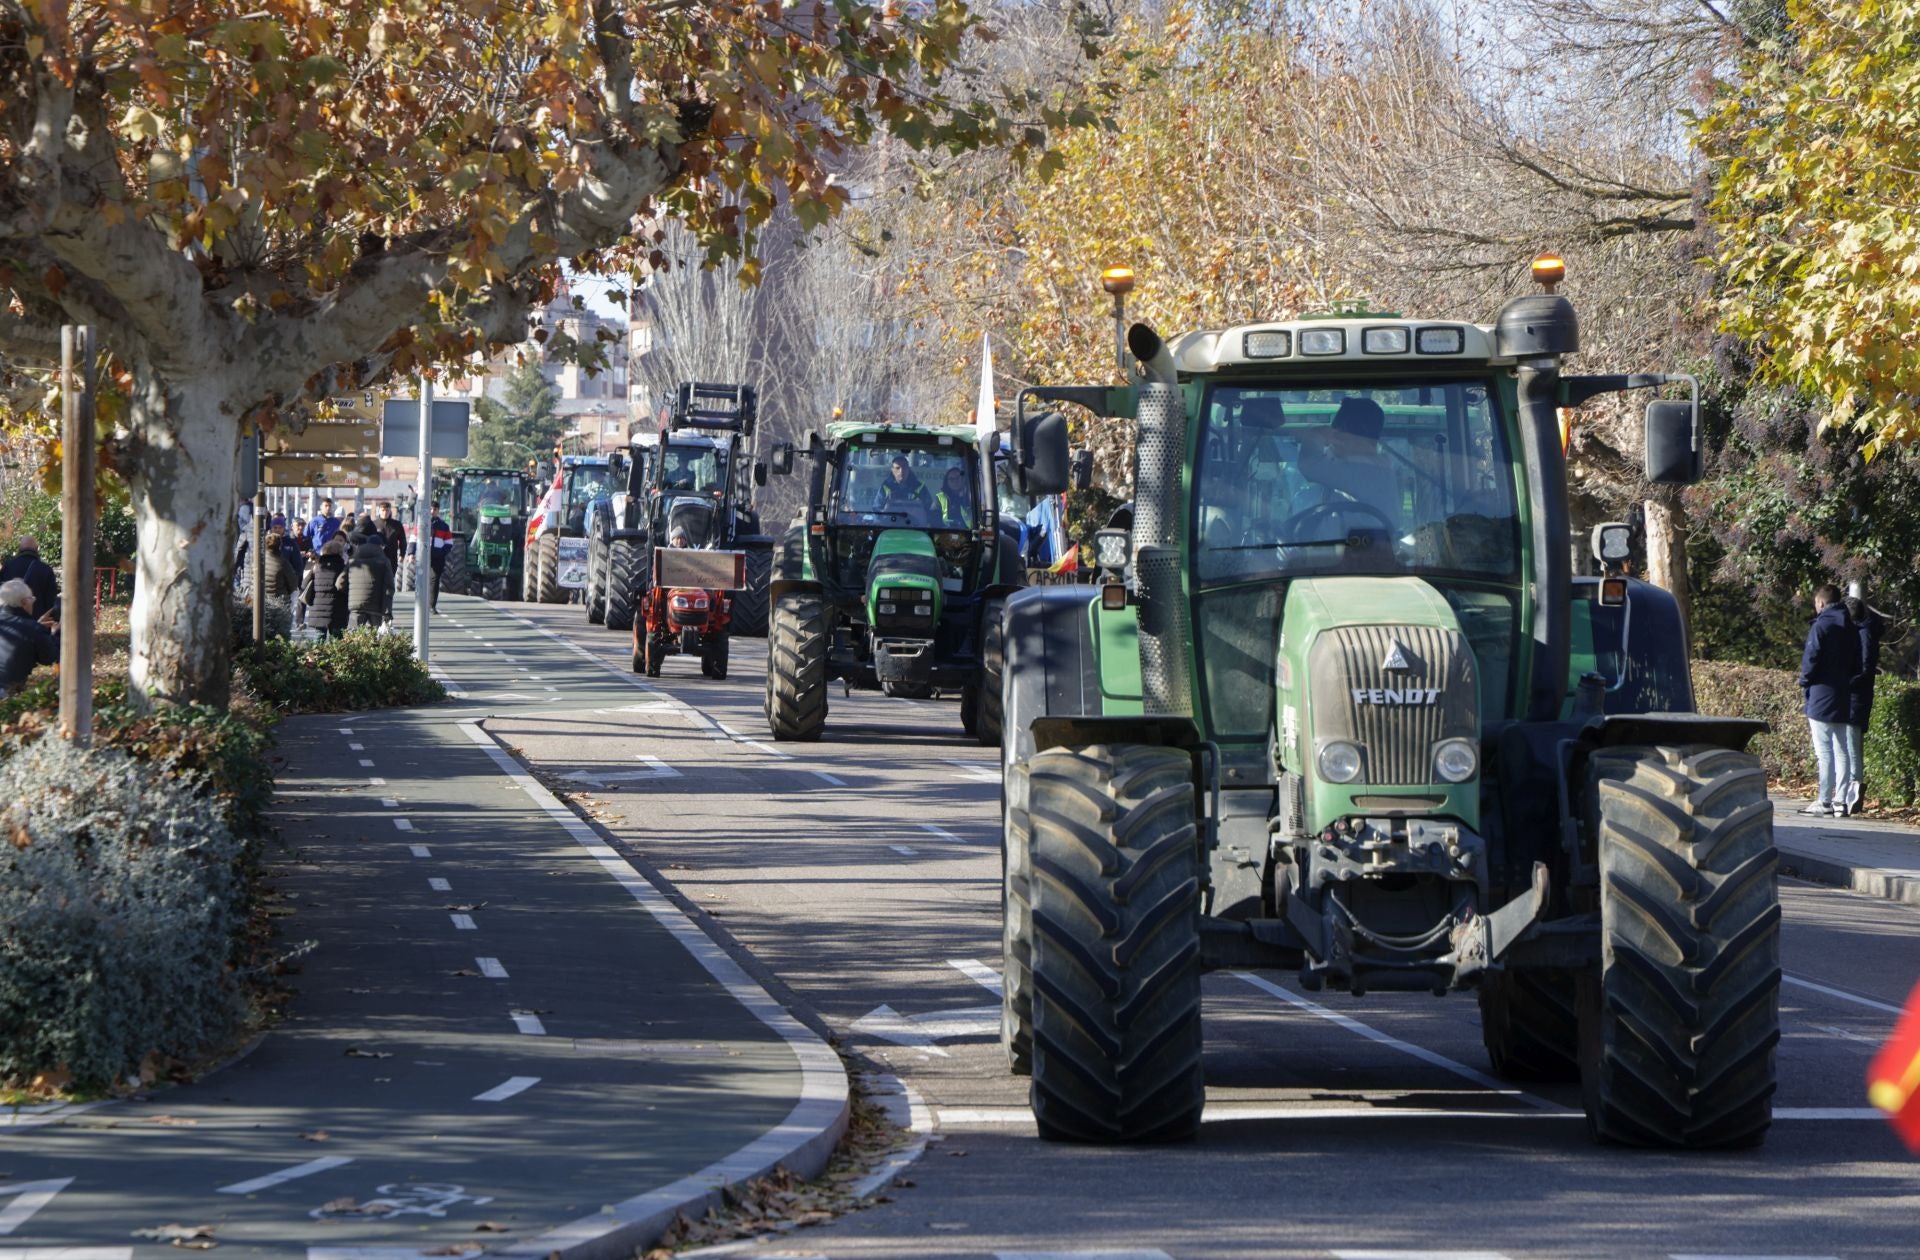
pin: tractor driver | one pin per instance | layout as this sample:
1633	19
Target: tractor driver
1352	485
955	499
678	474
904	492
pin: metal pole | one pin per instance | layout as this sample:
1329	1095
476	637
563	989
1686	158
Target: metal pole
256	552
423	524
76	534
1120	332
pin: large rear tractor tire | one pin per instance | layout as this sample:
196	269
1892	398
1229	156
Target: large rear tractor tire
1115	895
623	571
1678	1027
797	668
1530	1023
548	589
1016	927
750	611
453	579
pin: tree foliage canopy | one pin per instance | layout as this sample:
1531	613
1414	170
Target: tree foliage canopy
1816	202
519	426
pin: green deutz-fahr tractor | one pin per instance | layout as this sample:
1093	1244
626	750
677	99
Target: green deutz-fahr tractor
486	508
894	578
1338	706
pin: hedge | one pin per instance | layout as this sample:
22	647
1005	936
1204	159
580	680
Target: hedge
360	670
1891	750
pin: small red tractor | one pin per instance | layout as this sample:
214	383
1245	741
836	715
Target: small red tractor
687	608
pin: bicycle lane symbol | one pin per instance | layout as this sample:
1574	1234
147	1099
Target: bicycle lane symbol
398	1199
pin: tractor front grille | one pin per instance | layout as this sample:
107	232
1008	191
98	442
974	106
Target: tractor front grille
1392	713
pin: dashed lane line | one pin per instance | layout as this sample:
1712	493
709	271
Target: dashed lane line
1421	1053
943	833
508	1088
529	1023
388	802
829	779
439	885
66	1253
1842	994
903	850
403	824
491	968
978	972
285	1175
464	922
419	850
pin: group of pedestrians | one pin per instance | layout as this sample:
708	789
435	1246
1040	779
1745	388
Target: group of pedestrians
29	615
1837	670
340	571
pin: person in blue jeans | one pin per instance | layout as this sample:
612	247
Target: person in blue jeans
1871	628
1829	667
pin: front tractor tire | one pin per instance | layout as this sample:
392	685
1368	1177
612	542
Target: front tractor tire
596	593
1678	1027
750	610
1530	1023
1114	890
455	576
797	667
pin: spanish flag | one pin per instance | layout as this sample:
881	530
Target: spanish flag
1893	1081
1069	563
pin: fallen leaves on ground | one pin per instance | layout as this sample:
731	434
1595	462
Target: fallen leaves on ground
176	1232
467	906
454	1249
491	1227
355	1052
780	1203
318	1135
177	1121
463	972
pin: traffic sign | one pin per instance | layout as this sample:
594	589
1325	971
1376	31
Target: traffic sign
401	429
320	470
322	438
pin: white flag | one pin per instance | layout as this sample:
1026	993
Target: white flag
983	421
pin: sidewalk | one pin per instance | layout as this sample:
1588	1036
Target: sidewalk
1880	859
503	1036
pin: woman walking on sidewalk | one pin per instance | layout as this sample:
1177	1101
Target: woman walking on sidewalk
1828	668
1870	627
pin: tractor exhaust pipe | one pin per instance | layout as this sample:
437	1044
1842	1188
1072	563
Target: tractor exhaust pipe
1165	624
1156	361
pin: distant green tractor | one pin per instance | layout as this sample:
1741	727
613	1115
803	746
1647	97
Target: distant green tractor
894	578
488	517
1338	706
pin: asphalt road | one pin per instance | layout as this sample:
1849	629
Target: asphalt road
864	871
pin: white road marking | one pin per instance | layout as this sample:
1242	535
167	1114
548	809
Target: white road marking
1418	1255
1834	1031
403	824
978	972
346	730
294	1173
1408	1048
373	782
902	850
768	749
419	850
907	1110
974	769
1842	994
1828	1113
28	1197
366	761
491	968
389	803
439	885
923	1031
943	833
828	779
1153	1254
1691	1255
33	1117
508	1088
529	1024
357	747
1223	1113
464	922
66	1253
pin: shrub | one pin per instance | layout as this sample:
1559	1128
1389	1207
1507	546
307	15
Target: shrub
279	620
361	670
1891	751
120	904
1771	694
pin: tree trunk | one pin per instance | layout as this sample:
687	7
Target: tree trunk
183	472
1667	553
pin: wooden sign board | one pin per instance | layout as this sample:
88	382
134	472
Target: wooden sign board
322	438
365	405
319	470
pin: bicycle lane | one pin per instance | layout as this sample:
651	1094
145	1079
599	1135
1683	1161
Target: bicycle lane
503	1037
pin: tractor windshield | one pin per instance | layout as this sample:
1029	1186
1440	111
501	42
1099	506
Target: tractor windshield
1354	478
480	490
918	486
696	467
585	483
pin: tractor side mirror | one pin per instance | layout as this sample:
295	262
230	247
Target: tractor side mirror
782	460
1045	464
1673	443
1082	471
617	465
759	474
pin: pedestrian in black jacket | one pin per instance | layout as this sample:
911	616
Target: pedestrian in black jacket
1829	670
1860	699
26	564
324	589
368	577
24	642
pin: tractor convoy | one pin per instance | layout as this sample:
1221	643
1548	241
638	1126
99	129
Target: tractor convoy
1335	702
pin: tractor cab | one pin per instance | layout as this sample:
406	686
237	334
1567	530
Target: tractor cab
486	510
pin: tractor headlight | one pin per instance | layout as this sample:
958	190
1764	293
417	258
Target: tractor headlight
1339	762
1456	760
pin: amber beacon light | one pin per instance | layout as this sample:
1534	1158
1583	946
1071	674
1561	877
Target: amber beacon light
1549	270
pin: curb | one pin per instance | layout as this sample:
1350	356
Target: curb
1870	881
802	1143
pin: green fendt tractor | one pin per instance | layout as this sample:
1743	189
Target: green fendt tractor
894	578
1338	706
487	511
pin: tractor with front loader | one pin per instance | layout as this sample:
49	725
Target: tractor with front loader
894	577
1338	706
